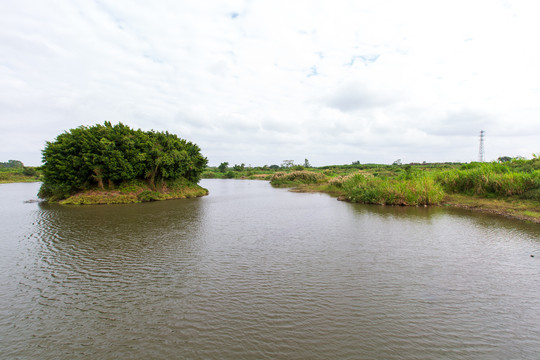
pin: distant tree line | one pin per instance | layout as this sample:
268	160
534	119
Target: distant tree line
17	167
105	155
11	164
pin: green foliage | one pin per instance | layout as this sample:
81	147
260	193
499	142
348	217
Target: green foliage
132	186
421	190
489	178
229	175
209	175
533	194
11	164
29	171
504	159
13	173
148	195
239	168
135	192
95	199
296	177
223	167
100	155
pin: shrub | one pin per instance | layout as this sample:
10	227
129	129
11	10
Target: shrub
28	171
209	175
296	177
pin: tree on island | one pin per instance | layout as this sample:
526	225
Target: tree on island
108	155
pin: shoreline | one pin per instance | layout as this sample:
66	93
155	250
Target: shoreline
522	210
514	209
132	196
19	181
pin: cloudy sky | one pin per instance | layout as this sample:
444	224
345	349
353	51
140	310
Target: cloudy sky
259	82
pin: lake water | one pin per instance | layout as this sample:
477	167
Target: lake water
253	272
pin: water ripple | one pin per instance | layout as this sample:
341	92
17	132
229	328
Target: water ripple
253	272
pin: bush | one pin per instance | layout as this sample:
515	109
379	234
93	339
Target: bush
296	177
209	175
28	171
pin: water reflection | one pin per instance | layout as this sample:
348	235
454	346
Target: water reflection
119	244
428	214
256	272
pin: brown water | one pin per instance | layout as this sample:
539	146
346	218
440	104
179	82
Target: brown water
252	272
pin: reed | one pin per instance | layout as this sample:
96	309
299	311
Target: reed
420	190
296	177
489	179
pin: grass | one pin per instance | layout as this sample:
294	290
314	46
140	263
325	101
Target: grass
509	189
15	175
421	190
489	179
136	192
296	177
514	207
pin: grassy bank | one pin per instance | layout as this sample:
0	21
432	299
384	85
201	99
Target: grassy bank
136	192
510	189
21	174
513	207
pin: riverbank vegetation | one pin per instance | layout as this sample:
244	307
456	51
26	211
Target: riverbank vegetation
136	192
510	186
96	164
14	171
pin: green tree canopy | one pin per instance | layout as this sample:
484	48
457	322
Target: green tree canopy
11	164
108	154
223	167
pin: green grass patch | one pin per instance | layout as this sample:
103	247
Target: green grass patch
21	174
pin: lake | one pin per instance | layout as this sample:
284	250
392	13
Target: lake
254	272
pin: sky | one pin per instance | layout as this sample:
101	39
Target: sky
260	82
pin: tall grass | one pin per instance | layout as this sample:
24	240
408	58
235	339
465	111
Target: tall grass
296	177
420	190
487	179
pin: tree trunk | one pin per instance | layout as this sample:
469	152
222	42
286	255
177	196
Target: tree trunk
99	178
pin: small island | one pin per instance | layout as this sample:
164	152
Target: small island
114	164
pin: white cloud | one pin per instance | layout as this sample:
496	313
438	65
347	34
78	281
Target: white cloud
258	82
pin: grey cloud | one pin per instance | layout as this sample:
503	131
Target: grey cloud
351	97
196	70
459	123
